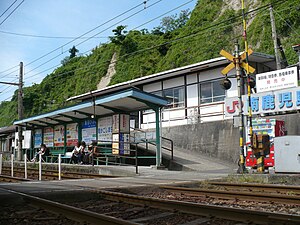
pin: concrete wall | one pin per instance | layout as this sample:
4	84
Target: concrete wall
213	139
219	139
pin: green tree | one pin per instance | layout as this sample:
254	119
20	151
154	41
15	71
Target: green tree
73	52
120	35
173	22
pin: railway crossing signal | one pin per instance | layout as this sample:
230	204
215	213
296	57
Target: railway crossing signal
237	60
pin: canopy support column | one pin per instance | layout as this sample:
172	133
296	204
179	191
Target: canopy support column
158	142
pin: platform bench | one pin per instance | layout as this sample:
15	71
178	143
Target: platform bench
53	157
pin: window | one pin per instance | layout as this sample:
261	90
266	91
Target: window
175	96
211	92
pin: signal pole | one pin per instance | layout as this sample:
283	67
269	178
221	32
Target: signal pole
20	108
239	78
20	112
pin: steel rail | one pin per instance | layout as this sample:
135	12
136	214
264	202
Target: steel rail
66	173
229	213
9	178
71	212
265	187
237	195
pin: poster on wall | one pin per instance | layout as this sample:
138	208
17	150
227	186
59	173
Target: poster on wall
59	135
48	137
89	131
105	130
115	144
72	134
124	145
124	123
37	138
115	123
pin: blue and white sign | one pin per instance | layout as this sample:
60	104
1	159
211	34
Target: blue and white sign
89	131
38	138
267	102
105	129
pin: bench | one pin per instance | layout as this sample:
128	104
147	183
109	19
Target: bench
53	157
104	150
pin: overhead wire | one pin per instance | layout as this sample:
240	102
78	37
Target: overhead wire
116	24
45	36
8	8
169	42
12	12
289	25
121	14
95	35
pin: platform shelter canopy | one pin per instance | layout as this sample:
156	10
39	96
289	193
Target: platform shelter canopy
129	100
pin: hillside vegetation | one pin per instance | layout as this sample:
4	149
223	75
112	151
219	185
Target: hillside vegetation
212	25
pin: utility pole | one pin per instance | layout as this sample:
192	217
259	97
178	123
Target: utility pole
275	38
239	78
20	108
20	112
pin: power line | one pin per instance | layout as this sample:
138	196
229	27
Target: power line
45	36
136	52
113	26
209	28
8	8
163	14
289	25
85	33
11	12
169	42
7	75
9	69
96	34
230	19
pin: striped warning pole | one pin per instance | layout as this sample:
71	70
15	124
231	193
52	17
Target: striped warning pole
260	163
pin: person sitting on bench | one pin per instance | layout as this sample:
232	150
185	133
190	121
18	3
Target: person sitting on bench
44	151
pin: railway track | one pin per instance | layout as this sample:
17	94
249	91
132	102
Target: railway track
4	178
119	208
51	174
258	187
241	195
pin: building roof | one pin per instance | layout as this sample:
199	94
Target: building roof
204	65
125	101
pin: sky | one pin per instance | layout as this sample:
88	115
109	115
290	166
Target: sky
60	22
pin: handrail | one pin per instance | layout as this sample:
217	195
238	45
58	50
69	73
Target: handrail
163	147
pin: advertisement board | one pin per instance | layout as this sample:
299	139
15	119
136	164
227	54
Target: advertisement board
105	129
72	134
124	123
38	138
115	144
124	146
48	136
89	131
59	135
115	123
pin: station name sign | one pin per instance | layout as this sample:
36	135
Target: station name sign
266	102
276	80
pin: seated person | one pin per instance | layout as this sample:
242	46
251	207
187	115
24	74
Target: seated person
94	153
44	151
86	154
77	153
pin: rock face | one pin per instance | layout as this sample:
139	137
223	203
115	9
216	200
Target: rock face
110	72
